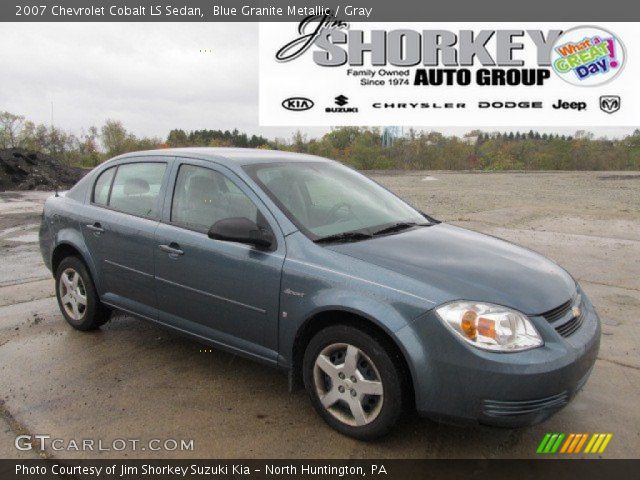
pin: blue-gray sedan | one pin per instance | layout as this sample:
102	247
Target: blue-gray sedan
306	265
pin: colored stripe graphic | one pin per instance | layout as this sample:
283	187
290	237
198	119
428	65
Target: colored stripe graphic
605	442
567	442
550	443
555	447
598	443
572	443
596	446
593	439
578	439
543	443
581	442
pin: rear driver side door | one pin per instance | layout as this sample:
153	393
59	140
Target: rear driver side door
225	292
120	227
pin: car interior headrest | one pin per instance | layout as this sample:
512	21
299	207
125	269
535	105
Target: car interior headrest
136	186
203	187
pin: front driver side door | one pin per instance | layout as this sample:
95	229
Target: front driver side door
223	291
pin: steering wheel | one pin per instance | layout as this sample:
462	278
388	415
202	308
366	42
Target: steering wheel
336	208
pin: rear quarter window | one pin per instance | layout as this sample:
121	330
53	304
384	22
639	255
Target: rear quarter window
102	186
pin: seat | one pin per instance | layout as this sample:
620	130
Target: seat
135	198
205	202
290	196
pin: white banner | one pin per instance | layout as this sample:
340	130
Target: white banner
324	72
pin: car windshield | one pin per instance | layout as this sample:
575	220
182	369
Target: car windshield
327	199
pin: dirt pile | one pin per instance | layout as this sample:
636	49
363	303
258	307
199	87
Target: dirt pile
25	170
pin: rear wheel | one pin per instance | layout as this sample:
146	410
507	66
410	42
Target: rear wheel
353	382
77	296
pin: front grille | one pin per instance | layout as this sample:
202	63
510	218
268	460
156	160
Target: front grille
501	408
562	317
571	326
558	312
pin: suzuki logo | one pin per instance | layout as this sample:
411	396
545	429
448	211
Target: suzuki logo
341	100
609	103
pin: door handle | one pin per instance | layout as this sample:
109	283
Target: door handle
95	227
172	249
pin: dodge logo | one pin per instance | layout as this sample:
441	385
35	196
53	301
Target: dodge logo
610	103
297	104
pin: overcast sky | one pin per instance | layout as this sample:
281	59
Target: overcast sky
151	76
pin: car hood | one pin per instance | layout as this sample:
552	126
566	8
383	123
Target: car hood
455	264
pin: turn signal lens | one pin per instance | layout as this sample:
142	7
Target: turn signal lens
487	328
490	327
468	324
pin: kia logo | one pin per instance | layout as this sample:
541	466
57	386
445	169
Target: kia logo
297	104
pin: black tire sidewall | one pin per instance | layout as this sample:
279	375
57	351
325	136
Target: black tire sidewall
91	319
392	406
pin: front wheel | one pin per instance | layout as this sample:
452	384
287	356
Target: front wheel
353	382
77	296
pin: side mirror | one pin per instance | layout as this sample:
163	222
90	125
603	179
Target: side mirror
241	230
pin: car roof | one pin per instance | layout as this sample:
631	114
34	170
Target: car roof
230	156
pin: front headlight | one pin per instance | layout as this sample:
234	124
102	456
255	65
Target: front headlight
490	327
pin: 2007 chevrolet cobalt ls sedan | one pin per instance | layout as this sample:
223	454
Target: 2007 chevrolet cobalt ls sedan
307	265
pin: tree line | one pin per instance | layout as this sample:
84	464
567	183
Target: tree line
361	147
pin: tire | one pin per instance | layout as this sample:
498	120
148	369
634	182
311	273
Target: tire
332	389
77	296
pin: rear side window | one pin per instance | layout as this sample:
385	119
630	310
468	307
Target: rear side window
102	186
136	188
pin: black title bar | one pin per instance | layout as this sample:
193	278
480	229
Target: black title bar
292	10
123	469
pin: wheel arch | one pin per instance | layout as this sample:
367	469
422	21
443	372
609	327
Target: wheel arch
340	315
62	251
68	245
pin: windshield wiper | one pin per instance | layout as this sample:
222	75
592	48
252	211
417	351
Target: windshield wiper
396	227
344	237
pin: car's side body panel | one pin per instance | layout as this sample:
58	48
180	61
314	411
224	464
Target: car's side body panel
60	227
317	280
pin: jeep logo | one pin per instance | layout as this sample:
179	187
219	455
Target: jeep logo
569	105
297	104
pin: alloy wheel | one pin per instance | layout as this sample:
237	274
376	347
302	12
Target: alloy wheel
348	384
73	294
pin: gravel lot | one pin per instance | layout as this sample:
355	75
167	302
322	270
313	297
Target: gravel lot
135	380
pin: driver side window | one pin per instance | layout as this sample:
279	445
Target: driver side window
203	196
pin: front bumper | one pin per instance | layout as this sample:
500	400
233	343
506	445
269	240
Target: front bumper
459	383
